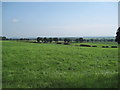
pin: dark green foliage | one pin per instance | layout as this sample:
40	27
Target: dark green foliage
67	40
38	39
3	38
45	40
94	46
60	39
113	46
83	45
41	39
92	40
55	39
50	40
118	36
77	40
81	40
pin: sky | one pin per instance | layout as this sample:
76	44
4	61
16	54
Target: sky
118	14
0	18
59	19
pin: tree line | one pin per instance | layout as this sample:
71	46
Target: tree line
67	40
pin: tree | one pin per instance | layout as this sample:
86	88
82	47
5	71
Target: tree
118	36
55	39
91	40
38	39
45	39
87	40
66	40
77	40
4	38
41	39
81	40
50	40
60	39
21	38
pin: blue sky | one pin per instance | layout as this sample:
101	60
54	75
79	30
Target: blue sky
119	14
61	19
0	18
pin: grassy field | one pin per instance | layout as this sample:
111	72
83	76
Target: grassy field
32	65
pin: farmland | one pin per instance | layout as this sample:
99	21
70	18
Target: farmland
49	65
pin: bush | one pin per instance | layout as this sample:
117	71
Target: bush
83	45
59	43
94	46
105	46
113	46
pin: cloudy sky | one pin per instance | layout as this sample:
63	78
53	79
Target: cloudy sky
32	19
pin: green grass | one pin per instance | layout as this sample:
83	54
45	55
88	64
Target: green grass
30	65
0	65
98	44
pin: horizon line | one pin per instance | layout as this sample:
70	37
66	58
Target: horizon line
64	36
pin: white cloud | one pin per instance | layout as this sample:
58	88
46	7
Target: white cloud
15	20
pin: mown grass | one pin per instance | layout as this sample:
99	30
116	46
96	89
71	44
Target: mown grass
31	65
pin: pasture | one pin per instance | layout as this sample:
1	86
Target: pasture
48	65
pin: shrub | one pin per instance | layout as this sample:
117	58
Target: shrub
59	43
105	46
113	46
83	45
94	46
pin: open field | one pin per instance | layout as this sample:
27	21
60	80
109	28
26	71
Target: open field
33	65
